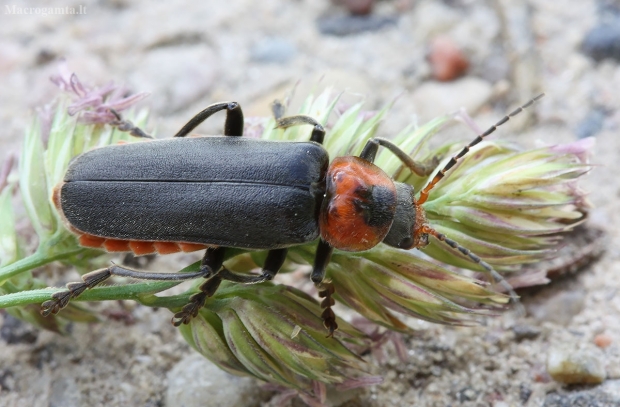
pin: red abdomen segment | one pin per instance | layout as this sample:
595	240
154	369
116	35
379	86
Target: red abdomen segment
138	247
359	204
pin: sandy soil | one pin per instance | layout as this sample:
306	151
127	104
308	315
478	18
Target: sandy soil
190	54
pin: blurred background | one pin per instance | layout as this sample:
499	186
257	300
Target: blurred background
429	57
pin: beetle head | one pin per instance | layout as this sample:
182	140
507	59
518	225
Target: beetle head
406	231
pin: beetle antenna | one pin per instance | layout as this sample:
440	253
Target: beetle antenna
424	193
466	252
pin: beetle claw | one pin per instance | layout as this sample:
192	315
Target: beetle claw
191	309
328	316
48	307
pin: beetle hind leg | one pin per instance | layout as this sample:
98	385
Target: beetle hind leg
234	119
61	299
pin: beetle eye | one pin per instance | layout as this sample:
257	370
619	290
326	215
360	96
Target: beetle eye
406	243
424	241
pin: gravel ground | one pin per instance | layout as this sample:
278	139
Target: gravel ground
190	54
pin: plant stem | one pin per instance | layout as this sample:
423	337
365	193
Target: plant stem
140	292
39	258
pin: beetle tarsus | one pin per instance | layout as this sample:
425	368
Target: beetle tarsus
61	299
127	126
278	109
318	133
228	275
234	119
197	301
326	290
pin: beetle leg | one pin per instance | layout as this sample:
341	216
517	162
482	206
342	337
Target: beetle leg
197	301
318	133
321	259
126	125
210	265
278	109
61	299
326	289
419	168
273	263
234	119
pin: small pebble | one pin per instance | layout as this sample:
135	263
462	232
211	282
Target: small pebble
14	330
591	124
341	26
447	60
65	392
559	308
576	365
525	332
45	56
466	394
525	392
605	395
603	42
273	50
358	7
603	340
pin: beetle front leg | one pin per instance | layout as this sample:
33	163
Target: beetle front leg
326	289
419	168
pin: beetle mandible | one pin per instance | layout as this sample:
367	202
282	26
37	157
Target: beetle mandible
223	192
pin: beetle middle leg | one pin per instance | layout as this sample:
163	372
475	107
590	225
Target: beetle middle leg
324	250
213	260
326	289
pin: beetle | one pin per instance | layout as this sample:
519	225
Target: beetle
223	192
